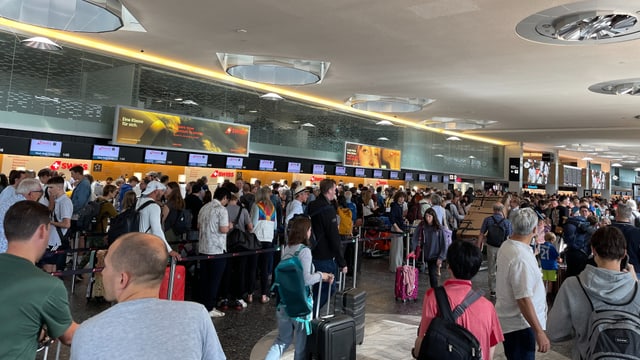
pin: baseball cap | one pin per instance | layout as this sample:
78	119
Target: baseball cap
153	186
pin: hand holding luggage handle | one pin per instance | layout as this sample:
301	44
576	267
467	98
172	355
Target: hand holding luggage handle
317	305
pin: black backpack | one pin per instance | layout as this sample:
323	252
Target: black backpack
87	216
495	233
444	338
126	222
183	222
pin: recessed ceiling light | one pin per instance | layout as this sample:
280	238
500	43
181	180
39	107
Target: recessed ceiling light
616	165
453	138
189	102
382	138
178	99
308	125
273	70
438	155
561	146
629	86
271	97
471	157
253	111
384	123
636	169
586	158
387	104
41	43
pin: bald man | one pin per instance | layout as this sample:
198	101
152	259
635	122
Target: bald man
141	326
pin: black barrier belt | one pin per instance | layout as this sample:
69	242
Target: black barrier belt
70	251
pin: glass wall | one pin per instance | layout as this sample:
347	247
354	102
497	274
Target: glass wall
75	92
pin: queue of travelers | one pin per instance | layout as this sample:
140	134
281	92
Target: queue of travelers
599	242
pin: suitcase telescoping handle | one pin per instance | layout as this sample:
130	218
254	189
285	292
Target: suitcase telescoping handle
342	284
317	304
172	275
411	257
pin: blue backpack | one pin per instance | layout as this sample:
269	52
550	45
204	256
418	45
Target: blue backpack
294	294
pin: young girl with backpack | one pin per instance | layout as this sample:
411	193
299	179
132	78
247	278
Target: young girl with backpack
298	242
263	218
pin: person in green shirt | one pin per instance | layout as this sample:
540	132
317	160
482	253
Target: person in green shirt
30	297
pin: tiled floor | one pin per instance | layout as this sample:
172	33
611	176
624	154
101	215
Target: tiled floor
248	333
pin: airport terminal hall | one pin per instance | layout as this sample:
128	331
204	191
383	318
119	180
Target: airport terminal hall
340	180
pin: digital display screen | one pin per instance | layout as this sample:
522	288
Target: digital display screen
422	177
394	175
155	156
341	171
537	171
45	148
360	172
408	176
266	165
198	160
598	179
234	163
572	176
144	128
293	167
436	178
377	174
370	156
318	169
106	152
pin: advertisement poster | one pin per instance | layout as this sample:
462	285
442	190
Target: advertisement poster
145	128
370	156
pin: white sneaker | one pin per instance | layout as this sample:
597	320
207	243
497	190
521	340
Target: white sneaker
242	302
214	313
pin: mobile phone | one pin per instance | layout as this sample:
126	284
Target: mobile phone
624	262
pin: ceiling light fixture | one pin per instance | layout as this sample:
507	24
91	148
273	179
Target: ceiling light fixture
471	157
273	70
636	169
449	123
617	87
271	97
586	158
382	138
189	102
438	155
384	123
453	138
87	16
616	165
387	104
308	125
582	23
41	43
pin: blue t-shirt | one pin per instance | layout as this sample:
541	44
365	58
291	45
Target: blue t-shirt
548	256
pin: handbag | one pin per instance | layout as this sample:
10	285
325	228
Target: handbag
239	240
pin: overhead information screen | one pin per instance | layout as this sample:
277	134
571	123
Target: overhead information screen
106	152
572	176
370	156
146	128
45	148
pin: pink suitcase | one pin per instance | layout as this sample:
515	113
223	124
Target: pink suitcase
407	289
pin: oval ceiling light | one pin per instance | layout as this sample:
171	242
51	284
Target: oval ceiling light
438	155
382	138
41	43
449	123
88	16
387	104
616	165
617	87
586	158
636	169
453	138
583	23
271	97
273	70
308	125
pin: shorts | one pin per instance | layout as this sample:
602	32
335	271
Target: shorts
549	275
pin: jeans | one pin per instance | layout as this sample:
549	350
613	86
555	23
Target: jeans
265	263
432	265
287	330
492	255
328	266
520	345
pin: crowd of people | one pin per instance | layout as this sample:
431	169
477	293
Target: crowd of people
598	240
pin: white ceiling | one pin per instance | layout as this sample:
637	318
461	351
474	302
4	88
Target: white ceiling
463	53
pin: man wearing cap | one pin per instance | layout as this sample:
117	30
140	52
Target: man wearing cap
151	215
300	195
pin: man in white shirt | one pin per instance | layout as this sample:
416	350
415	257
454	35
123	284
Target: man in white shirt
59	225
300	195
151	214
521	301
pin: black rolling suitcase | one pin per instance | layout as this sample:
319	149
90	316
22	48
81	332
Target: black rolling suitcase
352	302
333	337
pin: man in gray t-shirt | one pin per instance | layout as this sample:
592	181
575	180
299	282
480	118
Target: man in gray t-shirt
141	326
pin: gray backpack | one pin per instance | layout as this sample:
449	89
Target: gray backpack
614	329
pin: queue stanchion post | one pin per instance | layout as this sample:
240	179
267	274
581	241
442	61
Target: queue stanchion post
355	261
74	261
172	275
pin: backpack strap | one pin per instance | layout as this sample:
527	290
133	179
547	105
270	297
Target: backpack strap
585	292
444	307
469	299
